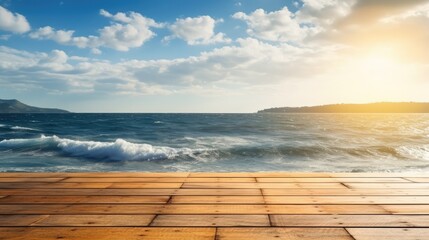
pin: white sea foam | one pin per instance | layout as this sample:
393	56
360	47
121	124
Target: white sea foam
118	150
219	141
23	128
416	152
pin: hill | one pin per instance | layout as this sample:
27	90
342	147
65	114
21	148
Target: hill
382	107
15	106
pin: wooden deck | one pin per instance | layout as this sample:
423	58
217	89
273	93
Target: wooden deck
222	206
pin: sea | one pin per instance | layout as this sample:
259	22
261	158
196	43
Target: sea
214	142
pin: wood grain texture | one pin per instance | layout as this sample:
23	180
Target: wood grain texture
28	179
345	192
126	180
346	199
218	199
407	209
103	233
84	199
263	185
215	206
94	220
211	220
332	180
389	233
349	220
274	233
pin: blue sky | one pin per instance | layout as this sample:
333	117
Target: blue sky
211	56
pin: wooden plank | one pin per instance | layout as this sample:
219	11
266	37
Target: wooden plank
370	174
19	220
275	233
331	180
387	185
135	192
220	175
344	192
218	199
145	185
290	174
32	209
95	220
52	192
211	220
217	209
349	221
389	233
418	179
325	209
127	180
220	192
65	209
262	185
189	209
407	209
28	179
90	185
111	233
97	174
84	199
54	185
29	174
221	180
346	199
270	209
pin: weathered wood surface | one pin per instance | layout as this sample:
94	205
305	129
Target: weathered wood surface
216	206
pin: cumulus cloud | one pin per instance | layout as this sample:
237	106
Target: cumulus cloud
280	25
127	30
13	22
323	13
60	36
197	31
249	63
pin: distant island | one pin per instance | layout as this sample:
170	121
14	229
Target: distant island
15	106
381	107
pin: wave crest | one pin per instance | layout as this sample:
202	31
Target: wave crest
119	150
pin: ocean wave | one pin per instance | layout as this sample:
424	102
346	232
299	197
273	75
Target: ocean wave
119	150
24	128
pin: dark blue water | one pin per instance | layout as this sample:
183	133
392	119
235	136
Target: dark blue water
214	142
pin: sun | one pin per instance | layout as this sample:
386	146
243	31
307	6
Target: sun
378	63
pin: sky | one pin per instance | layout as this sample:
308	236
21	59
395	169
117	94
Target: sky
212	55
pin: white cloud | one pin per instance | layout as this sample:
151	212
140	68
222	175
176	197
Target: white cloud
197	31
13	22
280	25
60	36
126	31
250	63
324	12
96	51
419	11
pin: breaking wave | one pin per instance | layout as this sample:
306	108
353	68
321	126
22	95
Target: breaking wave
119	150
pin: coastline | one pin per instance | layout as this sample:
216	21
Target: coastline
207	205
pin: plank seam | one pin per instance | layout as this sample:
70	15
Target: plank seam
216	237
153	219
349	234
